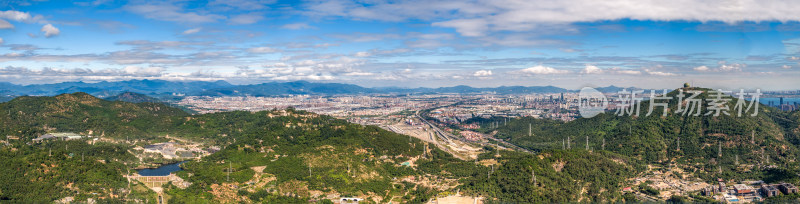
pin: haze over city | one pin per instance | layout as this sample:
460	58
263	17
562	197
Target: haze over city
569	44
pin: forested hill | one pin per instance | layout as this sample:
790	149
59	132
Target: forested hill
133	98
280	156
311	153
29	117
710	144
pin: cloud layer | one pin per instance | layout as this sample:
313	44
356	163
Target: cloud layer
405	43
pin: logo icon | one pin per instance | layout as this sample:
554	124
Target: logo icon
591	102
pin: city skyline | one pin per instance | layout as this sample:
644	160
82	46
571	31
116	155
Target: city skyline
568	44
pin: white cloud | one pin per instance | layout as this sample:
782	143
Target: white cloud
297	26
305	77
467	27
15	15
246	19
786	66
483	73
725	67
617	70
149	71
591	69
192	31
569	50
539	69
357	73
5	24
20	16
659	73
394	10
367	37
142	45
701	68
242	4
169	12
377	52
629	72
362	54
262	50
14	54
475	18
50	30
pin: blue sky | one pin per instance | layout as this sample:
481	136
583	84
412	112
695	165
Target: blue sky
573	43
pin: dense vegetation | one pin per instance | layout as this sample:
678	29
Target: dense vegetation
561	176
48	171
133	98
28	117
315	152
654	139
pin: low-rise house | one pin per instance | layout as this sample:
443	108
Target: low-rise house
59	135
44	137
787	188
769	190
743	190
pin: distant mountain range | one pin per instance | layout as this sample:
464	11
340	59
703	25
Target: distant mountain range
106	89
166	89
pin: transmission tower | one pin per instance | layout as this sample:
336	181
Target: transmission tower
604	144
587	143
530	132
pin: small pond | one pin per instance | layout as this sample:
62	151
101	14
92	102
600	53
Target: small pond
163	170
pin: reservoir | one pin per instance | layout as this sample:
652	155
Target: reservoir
163	170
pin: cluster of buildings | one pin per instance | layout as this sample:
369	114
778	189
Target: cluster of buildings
770	190
552	106
756	191
337	106
561	106
784	106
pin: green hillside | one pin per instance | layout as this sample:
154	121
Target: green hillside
133	98
29	117
319	153
49	171
655	139
277	156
